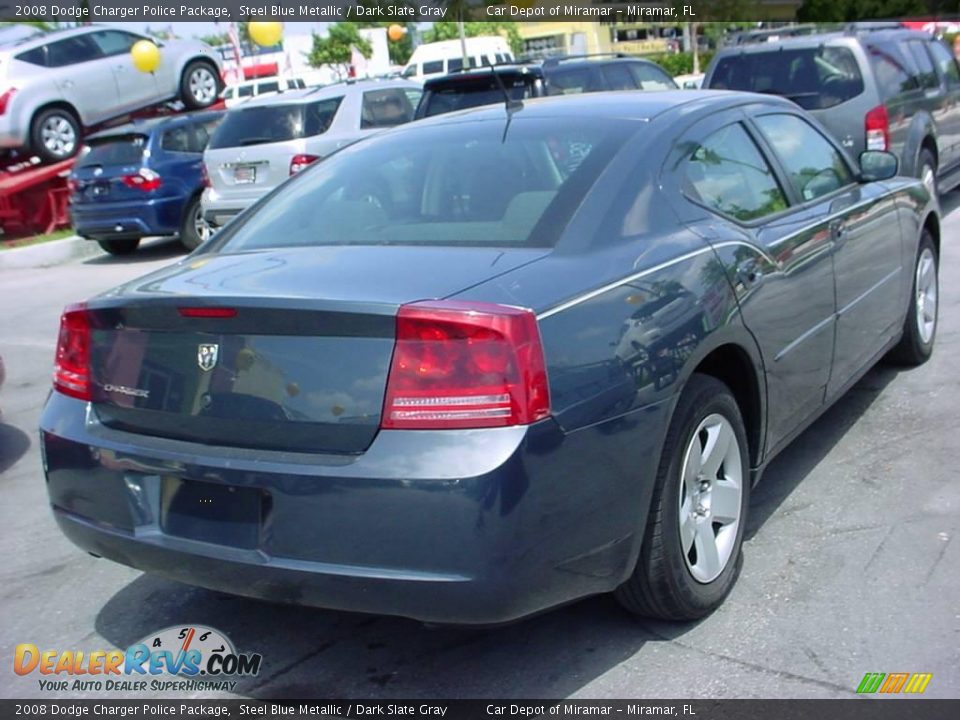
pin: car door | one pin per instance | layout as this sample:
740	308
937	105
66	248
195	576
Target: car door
949	77
135	89
864	231
777	256
935	101
83	77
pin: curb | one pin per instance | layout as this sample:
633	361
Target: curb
48	254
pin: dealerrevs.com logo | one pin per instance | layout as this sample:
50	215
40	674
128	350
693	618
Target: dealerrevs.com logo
178	658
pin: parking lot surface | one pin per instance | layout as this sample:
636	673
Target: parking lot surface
850	561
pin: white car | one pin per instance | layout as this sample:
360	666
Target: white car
263	142
55	86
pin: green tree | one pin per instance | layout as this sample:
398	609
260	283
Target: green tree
336	47
215	39
852	10
448	30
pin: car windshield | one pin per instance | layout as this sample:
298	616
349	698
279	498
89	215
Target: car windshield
274	123
118	150
814	78
463	93
484	182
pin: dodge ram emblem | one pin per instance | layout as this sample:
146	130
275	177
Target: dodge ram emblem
207	355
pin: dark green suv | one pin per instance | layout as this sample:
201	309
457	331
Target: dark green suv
878	89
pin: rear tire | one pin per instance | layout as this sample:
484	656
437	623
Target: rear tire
194	230
55	134
920	325
119	247
200	85
691	553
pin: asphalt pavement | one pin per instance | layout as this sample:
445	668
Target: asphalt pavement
851	562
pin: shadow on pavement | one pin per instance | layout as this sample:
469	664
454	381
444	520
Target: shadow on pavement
149	251
14	444
313	653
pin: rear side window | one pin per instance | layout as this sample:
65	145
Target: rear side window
891	75
649	77
815	167
178	139
245	91
268	87
433	67
385	108
454	64
72	51
727	173
114	42
572	81
121	150
926	75
37	56
946	63
274	123
618	77
814	78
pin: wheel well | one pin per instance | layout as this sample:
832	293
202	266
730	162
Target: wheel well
205	61
57	104
731	365
932	225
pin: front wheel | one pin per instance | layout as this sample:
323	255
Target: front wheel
119	247
691	553
920	325
199	85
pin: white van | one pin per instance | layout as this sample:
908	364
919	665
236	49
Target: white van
446	56
234	95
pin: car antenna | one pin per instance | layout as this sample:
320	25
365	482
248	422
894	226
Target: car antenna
511	105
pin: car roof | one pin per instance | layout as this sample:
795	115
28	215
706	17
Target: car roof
853	35
535	68
42	38
622	104
305	95
149	125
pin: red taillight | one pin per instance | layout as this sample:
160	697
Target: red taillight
71	373
205	176
465	365
5	99
145	179
207	312
299	162
877	124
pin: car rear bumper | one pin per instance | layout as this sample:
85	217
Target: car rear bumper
159	216
463	527
219	210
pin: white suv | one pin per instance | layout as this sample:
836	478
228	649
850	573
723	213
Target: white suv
263	142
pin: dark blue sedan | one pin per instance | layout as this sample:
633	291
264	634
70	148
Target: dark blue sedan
492	362
142	179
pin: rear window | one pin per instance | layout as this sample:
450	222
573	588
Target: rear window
814	78
274	123
473	92
121	150
483	183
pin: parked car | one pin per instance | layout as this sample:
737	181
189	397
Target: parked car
555	76
142	179
875	87
442	401
238	94
446	56
55	86
263	142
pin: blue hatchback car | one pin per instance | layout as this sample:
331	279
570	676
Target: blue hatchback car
142	179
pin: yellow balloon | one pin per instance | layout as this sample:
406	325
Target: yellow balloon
265	34
146	56
395	32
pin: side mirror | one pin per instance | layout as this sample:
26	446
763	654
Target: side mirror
878	165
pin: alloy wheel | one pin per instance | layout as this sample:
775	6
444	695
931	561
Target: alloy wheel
926	285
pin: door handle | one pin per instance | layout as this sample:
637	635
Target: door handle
838	231
749	274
